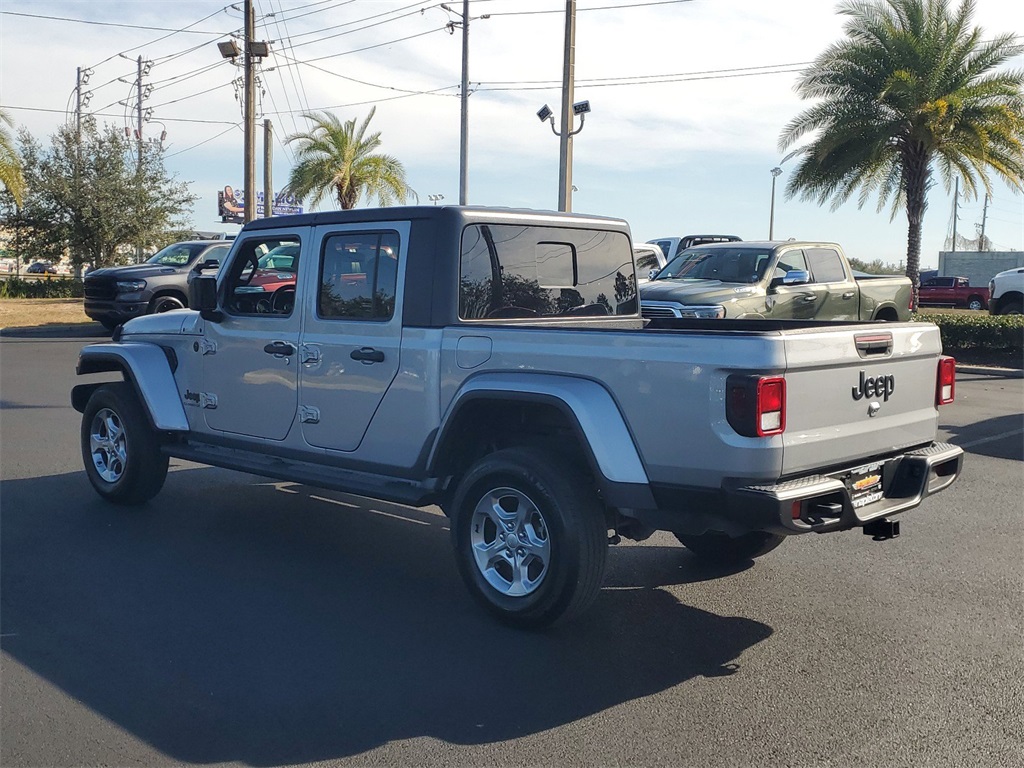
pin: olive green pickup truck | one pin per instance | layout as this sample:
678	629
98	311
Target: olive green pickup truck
777	280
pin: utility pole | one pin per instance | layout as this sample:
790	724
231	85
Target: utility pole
956	207
250	116
268	155
78	109
982	245
565	137
464	135
138	136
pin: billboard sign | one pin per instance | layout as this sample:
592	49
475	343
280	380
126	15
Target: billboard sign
231	205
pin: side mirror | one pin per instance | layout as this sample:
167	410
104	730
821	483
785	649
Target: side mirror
202	295
208	264
796	277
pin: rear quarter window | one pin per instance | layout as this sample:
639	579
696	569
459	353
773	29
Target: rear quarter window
509	271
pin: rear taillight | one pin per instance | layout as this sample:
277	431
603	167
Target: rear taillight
945	381
756	405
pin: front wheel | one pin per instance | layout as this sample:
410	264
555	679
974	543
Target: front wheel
1015	308
530	536
120	450
730	550
165	304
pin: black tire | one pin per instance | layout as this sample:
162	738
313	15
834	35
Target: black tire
559	542
728	550
975	302
1013	308
165	304
110	325
120	450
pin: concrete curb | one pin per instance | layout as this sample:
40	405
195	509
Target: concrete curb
73	331
987	370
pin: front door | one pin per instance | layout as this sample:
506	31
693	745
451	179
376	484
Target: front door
352	337
250	365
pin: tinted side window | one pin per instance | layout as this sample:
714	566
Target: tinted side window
826	266
512	271
358	276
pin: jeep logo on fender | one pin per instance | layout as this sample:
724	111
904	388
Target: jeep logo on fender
879	386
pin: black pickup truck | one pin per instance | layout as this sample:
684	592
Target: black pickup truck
116	294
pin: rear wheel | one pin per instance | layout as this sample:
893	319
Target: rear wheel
730	550
120	450
530	536
975	302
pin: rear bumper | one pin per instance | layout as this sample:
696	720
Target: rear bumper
840	499
849	497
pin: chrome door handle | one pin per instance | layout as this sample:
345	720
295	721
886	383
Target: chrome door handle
849	295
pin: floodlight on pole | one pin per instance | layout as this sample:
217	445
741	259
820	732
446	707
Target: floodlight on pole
229	49
435	198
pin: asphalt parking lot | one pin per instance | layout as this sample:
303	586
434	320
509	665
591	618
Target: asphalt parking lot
244	622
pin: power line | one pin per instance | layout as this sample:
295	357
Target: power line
420	6
113	23
599	8
205	141
100	113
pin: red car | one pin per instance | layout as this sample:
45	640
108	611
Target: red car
953	292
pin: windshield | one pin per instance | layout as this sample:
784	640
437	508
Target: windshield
730	265
178	254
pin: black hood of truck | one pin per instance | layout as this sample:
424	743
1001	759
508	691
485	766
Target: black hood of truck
134	271
690	291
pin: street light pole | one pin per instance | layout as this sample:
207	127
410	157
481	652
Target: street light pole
776	172
250	116
565	137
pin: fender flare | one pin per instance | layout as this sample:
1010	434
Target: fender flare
589	408
147	368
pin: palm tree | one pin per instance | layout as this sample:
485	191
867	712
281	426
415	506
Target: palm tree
10	162
911	88
335	158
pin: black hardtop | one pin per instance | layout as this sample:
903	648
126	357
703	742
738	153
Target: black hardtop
435	240
447	214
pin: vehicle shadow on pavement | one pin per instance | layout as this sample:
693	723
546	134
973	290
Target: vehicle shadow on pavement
1000	437
232	619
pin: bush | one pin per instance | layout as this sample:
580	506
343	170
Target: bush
998	334
47	288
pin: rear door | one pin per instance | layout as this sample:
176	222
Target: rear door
838	291
352	337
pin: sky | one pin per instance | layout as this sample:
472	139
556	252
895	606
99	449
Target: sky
688	100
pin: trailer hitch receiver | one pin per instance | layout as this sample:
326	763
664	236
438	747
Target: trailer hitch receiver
880	530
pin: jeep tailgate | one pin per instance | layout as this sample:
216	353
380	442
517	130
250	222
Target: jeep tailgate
858	393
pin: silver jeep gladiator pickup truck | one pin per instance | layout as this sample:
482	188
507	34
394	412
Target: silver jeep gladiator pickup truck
494	362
